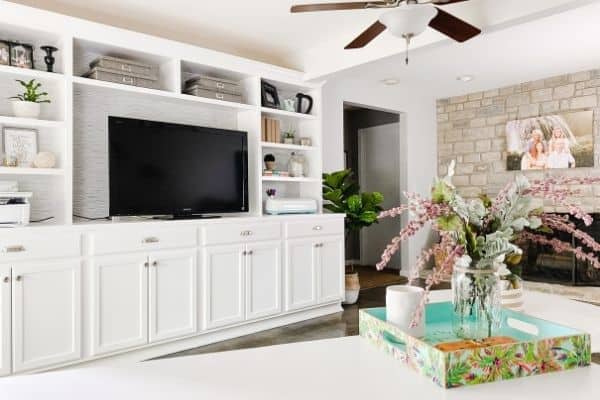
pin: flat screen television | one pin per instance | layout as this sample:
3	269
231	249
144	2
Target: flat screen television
159	168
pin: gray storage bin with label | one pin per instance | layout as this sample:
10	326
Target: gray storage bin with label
122	65
211	94
109	75
215	85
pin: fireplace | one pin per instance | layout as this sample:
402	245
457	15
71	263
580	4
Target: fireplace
541	264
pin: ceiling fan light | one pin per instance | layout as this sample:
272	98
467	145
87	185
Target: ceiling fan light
408	20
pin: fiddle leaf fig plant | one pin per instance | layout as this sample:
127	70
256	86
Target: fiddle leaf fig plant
32	93
342	194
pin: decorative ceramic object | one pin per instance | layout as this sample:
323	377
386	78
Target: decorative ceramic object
26	109
401	302
289	105
288	140
269	162
304	141
49	58
352	288
297	165
44	159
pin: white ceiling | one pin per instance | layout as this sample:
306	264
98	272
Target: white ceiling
266	31
560	43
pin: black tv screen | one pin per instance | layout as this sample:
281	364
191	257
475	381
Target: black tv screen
158	168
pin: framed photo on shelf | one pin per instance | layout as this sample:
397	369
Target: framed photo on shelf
20	145
269	95
21	55
4	52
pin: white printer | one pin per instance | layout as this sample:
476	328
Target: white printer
14	209
276	206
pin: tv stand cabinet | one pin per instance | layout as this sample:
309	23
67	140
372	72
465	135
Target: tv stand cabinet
134	288
142	289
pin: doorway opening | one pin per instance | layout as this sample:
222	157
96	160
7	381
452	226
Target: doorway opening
372	150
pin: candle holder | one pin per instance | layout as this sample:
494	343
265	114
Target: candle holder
49	58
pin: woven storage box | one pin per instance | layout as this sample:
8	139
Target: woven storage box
214	85
121	65
535	347
200	92
103	74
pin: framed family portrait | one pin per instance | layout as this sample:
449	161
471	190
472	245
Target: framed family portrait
557	141
20	145
4	53
21	55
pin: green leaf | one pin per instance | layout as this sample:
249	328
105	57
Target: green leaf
355	203
450	223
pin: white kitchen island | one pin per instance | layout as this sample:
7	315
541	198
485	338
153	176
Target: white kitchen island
344	368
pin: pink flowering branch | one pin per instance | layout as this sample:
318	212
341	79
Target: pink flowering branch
434	279
561	247
562	223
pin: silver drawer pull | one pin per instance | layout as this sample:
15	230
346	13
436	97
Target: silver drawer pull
19	278
150	240
127	79
126	68
317	228
14	249
220	85
6	279
246	233
250	252
220	96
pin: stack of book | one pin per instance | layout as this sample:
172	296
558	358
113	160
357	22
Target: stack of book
268	172
271	130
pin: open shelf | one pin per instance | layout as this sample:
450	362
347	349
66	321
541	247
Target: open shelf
162	93
283	146
282	113
31	171
30	73
288	179
30	122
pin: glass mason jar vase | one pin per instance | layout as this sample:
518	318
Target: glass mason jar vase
476	299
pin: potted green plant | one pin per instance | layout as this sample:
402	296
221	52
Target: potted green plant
341	194
288	137
28	104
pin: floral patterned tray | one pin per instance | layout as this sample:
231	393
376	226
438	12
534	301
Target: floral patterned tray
525	346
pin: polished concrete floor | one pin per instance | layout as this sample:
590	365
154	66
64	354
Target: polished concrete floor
331	326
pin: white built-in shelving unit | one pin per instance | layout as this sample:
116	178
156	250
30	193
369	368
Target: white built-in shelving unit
74	125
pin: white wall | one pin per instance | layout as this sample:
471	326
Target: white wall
418	157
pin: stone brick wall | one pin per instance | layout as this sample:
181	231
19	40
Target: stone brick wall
471	130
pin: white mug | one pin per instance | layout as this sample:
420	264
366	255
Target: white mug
401	303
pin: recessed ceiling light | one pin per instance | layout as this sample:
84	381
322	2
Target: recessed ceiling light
465	78
390	81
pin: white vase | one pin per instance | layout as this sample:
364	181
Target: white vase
26	109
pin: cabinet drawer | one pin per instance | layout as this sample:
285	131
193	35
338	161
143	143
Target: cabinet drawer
240	233
126	240
314	228
41	244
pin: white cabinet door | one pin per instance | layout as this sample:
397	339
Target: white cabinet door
300	273
330	275
172	294
46	307
119	302
5	339
263	279
223	285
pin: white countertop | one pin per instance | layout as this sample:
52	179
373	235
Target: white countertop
344	368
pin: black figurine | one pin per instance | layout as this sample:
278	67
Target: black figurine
49	59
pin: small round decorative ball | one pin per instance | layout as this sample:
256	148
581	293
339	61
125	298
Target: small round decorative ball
45	159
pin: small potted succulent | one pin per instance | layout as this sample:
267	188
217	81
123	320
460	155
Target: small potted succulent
28	104
288	137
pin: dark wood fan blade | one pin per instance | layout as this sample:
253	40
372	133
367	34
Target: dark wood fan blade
367	36
354	5
453	27
444	2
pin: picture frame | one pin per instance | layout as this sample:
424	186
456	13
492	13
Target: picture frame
269	95
4	52
20	144
21	55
